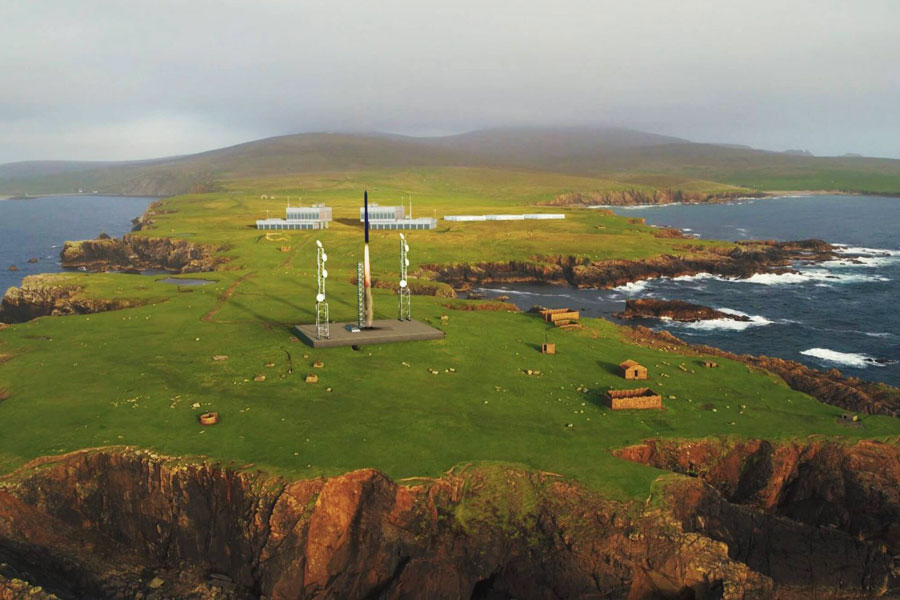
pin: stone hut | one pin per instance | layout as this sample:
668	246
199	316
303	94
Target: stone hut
640	398
633	370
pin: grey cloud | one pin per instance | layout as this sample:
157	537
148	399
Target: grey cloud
122	80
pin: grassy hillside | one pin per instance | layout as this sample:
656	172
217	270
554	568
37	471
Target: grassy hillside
620	155
141	376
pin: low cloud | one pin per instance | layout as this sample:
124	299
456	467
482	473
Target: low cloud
128	80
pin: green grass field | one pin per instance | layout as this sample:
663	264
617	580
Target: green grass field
141	376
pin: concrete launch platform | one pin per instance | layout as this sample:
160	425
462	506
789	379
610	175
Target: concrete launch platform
385	331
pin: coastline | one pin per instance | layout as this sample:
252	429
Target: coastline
762	195
74	194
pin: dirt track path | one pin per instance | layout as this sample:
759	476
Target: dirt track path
223	299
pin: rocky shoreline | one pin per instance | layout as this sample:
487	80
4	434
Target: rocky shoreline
743	260
831	387
139	253
635	197
46	295
125	523
675	310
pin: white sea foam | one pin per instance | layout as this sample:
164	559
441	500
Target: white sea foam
850	359
632	287
697	277
860	261
728	324
845	249
820	277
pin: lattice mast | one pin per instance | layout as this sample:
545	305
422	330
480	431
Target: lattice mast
321	304
403	291
360	296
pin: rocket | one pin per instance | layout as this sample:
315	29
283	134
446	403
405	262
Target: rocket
368	309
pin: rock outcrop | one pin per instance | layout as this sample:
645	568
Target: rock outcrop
846	497
761	521
46	295
634	197
115	523
740	261
138	253
676	310
831	387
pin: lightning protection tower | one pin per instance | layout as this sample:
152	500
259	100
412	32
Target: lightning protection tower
360	296
321	304
403	290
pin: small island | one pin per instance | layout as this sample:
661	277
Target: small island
676	310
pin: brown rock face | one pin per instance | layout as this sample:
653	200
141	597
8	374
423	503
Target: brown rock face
677	310
742	261
140	253
828	511
40	296
111	523
660	196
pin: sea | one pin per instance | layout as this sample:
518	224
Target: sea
37	228
842	314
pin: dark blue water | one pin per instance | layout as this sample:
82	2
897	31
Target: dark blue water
38	227
839	314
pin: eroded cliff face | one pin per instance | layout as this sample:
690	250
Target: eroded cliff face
839	503
742	261
44	295
660	196
138	253
115	523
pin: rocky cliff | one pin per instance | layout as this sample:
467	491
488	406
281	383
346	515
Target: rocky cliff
740	261
117	523
122	523
847	496
676	310
632	197
47	295
138	253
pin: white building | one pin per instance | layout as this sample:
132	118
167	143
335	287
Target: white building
540	216
316	216
393	217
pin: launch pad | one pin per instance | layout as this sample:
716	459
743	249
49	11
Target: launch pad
384	331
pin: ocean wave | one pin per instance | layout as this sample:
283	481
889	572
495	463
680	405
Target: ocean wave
818	276
728	324
509	292
846	249
850	359
697	277
632	287
860	261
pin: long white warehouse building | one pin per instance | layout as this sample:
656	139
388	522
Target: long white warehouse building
394	217
316	216
540	216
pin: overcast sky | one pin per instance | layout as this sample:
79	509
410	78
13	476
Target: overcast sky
128	79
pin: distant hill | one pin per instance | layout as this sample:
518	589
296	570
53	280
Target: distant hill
616	153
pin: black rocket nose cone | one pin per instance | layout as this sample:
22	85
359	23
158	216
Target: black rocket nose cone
366	212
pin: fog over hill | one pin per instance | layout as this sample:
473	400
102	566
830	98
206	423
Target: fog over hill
613	152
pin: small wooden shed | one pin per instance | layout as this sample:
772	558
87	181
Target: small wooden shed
633	370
